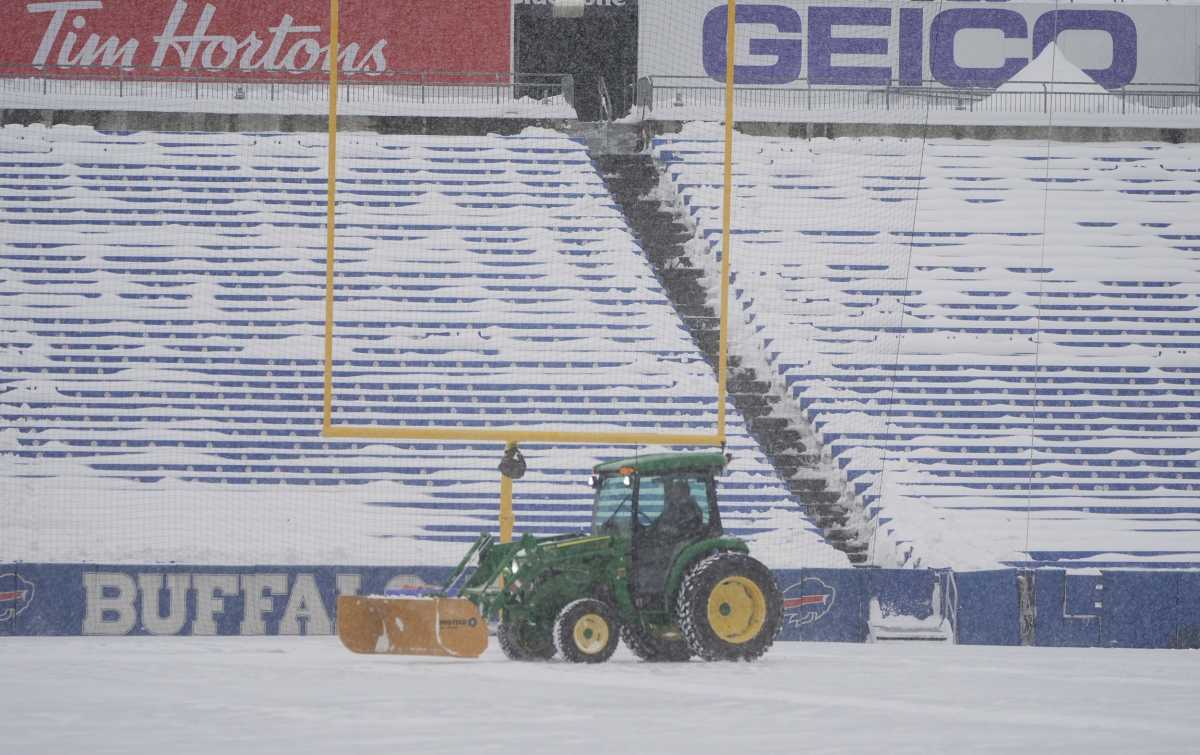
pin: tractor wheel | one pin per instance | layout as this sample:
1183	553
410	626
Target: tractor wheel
652	646
522	641
586	631
729	608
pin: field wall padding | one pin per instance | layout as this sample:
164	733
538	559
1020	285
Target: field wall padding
1101	608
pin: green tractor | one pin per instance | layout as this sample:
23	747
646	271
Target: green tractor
656	571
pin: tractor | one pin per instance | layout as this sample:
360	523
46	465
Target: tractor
655	571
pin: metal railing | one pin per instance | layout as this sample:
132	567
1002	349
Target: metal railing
387	87
660	94
606	109
949	607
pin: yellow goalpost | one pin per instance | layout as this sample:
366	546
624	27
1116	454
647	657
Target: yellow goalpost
511	436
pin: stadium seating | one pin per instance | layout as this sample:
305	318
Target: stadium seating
163	310
996	341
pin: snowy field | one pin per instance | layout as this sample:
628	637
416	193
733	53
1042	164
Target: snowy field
271	695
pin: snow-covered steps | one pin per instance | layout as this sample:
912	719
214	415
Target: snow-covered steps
880	628
161	320
996	341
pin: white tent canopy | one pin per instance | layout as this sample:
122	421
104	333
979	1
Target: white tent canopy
1051	67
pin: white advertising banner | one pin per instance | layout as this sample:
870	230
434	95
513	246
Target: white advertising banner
791	42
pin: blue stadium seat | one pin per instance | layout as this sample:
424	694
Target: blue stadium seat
170	296
920	362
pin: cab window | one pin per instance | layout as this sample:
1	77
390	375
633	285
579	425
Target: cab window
614	506
678	501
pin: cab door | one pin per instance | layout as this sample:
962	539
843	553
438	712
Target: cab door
671	512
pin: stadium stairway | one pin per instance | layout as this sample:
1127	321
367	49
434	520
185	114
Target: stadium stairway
789	443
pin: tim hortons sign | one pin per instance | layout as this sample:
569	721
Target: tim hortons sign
234	37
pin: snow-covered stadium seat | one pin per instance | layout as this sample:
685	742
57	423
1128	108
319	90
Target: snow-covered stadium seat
996	341
163	308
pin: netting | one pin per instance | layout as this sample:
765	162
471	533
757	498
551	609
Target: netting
942	350
168	339
491	289
974	334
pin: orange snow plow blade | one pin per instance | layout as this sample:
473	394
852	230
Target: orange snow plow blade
411	626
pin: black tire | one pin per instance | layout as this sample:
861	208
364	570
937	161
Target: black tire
733	585
522	641
586	631
653	647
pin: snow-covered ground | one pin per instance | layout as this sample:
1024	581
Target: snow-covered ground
161	352
995	340
260	696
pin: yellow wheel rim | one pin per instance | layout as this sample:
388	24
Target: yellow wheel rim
591	633
737	610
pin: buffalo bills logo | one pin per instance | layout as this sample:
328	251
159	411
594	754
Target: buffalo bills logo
807	601
16	594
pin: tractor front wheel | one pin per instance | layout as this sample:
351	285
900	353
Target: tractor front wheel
729	608
586	631
523	641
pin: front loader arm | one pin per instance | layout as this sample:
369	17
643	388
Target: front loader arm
482	544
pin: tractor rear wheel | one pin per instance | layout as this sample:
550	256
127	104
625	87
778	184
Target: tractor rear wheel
586	631
522	641
729	608
653	646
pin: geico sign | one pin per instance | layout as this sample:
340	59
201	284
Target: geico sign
823	41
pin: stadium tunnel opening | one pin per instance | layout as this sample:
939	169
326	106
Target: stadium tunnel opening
599	45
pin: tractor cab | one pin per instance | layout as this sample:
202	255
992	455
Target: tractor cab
660	504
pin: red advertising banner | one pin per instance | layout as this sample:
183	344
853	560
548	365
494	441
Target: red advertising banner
269	37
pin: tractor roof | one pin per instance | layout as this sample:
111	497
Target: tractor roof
657	464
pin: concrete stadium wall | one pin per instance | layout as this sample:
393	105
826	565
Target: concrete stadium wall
121	120
811	130
130	120
1143	609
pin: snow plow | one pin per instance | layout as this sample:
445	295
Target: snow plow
656	571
